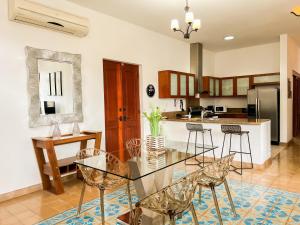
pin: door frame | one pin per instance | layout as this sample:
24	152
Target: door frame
141	78
295	115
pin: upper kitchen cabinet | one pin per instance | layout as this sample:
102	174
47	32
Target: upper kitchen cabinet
208	86
217	87
191	85
174	84
227	87
266	79
183	85
242	85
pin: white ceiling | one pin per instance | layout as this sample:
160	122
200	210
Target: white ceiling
250	21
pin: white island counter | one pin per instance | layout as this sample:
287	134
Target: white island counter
260	136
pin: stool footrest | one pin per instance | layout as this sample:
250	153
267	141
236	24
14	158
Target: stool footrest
240	152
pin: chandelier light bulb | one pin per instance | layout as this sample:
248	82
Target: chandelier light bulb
174	24
196	24
189	17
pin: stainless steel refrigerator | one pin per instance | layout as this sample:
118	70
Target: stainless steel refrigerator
263	103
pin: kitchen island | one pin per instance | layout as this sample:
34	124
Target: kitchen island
260	136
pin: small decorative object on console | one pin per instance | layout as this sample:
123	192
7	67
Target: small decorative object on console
76	129
56	131
154	141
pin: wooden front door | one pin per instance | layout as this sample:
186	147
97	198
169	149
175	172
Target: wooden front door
122	106
296	105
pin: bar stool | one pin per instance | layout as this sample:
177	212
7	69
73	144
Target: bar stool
199	128
236	130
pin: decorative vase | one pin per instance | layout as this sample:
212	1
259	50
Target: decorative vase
56	131
76	129
155	142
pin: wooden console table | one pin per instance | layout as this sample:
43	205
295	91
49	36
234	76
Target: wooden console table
55	167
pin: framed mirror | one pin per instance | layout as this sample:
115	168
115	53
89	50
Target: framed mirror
54	87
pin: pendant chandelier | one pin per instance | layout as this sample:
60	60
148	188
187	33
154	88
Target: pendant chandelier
192	24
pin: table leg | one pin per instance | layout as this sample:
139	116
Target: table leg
58	185
98	140
41	162
83	144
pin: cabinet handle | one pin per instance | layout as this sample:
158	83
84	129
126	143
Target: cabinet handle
124	118
121	118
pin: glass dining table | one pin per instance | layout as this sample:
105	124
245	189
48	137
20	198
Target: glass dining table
151	171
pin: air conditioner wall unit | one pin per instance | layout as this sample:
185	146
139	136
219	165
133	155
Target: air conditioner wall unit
36	14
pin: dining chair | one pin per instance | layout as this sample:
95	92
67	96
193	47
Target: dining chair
214	175
172	200
101	180
134	146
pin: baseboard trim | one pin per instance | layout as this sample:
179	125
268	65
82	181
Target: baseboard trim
30	189
18	193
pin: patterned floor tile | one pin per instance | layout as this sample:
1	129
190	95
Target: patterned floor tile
254	205
294	218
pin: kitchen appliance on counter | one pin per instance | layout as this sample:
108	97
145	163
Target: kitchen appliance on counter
264	103
195	111
220	109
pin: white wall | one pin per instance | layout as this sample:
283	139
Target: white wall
109	38
250	60
289	62
208	63
256	59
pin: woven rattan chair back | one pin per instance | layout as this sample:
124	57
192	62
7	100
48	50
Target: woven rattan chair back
134	146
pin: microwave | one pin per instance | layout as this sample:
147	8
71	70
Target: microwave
220	109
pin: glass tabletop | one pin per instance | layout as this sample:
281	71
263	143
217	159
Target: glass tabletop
149	162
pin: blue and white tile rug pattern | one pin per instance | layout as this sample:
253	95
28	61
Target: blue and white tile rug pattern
254	204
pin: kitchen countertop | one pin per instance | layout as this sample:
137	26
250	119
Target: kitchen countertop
240	121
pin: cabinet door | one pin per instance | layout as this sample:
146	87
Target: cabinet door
243	84
183	85
217	87
211	87
191	86
267	79
173	84
227	87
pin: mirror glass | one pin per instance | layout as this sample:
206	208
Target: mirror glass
55	87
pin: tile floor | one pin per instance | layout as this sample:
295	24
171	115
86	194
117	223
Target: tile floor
284	174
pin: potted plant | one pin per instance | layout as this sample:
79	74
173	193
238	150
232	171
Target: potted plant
154	141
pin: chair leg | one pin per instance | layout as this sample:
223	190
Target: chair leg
194	214
203	148
241	150
129	196
223	145
172	220
187	146
212	144
230	137
229	197
81	198
102	205
250	151
200	190
216	203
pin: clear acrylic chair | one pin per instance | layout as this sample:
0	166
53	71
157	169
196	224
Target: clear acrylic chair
171	201
134	146
101	180
214	175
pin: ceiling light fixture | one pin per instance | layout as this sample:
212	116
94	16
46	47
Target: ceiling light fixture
228	38
296	11
192	24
